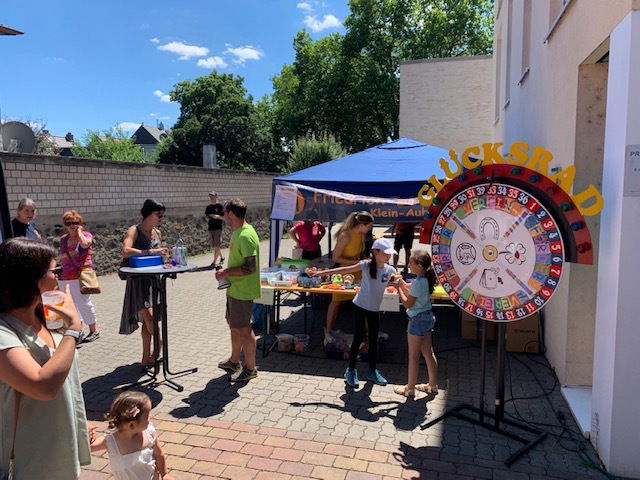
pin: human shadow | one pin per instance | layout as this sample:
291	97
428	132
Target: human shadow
100	391
359	404
416	460
211	400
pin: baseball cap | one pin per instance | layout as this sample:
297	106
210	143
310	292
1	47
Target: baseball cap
213	193
384	245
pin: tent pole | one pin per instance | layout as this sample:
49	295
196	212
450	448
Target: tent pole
329	237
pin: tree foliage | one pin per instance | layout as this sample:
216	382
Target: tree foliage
115	145
310	151
216	109
348	85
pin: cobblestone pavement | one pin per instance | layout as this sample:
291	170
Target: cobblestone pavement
297	419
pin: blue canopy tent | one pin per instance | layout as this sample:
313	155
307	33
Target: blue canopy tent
395	171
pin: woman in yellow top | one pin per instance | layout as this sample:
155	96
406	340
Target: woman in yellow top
349	250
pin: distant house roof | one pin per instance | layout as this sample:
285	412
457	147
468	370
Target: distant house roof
61	142
9	31
146	135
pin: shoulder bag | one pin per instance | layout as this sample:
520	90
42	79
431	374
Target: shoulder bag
88	279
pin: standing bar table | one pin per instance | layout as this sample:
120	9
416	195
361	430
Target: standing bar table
158	276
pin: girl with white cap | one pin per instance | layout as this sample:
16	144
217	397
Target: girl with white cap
376	275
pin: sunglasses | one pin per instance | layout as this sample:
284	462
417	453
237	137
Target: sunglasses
68	224
57	270
160	215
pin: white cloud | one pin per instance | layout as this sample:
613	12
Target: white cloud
305	6
212	62
153	114
164	117
162	96
128	126
155	40
184	50
242	54
329	21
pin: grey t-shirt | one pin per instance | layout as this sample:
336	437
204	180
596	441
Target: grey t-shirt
372	289
52	440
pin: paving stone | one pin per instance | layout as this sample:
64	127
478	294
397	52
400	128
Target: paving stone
328	473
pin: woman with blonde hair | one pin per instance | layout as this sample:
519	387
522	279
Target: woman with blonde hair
75	256
349	250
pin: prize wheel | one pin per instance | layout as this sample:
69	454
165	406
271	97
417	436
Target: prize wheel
497	251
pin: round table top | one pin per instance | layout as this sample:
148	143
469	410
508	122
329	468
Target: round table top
158	269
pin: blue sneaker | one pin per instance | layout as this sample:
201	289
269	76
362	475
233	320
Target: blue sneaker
375	377
351	377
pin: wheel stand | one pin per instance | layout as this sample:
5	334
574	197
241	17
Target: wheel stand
492	421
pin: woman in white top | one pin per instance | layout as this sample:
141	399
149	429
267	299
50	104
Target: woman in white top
134	452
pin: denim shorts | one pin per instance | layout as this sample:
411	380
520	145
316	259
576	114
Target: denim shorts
421	324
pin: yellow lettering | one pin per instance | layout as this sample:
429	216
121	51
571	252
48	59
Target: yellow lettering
539	160
565	178
518	153
445	166
425	201
491	154
468	162
591	193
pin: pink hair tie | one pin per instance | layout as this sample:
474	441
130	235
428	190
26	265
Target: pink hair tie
134	411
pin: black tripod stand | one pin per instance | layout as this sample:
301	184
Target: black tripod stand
492	421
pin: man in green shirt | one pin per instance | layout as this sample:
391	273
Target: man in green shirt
242	273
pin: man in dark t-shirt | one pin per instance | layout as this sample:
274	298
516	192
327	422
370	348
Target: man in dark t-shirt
215	214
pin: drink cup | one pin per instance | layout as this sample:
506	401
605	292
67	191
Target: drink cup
224	283
53	319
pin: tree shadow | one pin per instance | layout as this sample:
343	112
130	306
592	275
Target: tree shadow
100	391
211	400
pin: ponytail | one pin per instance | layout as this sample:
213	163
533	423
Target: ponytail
422	258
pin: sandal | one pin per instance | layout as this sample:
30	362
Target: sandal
404	391
427	388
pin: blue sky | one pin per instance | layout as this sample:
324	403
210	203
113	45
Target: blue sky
92	65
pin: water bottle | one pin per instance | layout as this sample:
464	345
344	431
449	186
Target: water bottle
180	253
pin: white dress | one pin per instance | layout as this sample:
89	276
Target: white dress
138	465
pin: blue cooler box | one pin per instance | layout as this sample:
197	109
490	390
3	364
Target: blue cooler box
145	261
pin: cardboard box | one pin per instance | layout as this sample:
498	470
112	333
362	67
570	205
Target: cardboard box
523	335
471	327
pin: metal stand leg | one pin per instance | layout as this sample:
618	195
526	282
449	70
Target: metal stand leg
498	416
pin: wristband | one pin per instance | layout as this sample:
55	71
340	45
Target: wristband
72	333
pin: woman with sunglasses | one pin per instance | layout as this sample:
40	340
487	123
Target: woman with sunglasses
40	392
142	239
75	255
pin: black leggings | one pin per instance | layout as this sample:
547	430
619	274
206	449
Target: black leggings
373	326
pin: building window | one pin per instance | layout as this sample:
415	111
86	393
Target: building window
498	54
526	40
507	63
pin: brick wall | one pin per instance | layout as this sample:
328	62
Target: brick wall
109	196
447	102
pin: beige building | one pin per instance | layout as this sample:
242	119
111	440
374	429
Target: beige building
567	79
447	102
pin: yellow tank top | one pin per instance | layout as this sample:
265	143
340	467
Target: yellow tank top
354	248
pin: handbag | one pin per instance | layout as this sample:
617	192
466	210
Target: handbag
88	279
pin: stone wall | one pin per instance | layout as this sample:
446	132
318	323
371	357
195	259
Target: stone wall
109	196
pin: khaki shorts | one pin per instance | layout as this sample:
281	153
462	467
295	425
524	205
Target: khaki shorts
239	312
214	238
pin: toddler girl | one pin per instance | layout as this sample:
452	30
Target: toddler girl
376	275
417	300
134	452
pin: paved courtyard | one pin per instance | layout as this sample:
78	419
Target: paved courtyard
297	419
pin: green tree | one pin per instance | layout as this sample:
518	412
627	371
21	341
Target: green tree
310	151
348	85
115	145
216	109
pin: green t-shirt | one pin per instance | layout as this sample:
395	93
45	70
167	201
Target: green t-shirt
244	243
